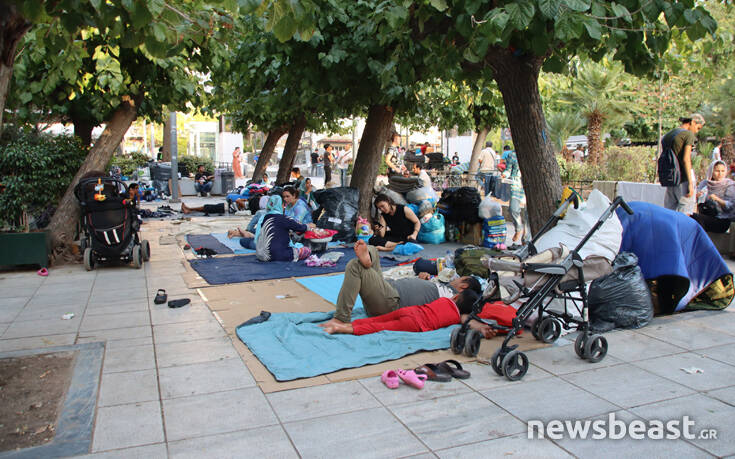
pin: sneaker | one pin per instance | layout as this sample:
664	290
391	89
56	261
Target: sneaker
209	195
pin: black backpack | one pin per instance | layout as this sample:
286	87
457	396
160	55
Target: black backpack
669	172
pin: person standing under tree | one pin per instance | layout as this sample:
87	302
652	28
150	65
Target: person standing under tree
328	162
343	163
236	166
681	140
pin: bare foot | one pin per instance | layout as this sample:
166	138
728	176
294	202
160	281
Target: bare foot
335	326
361	250
233	233
184	209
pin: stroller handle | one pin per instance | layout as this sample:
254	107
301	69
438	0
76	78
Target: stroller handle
624	205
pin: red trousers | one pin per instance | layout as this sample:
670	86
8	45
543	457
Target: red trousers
431	316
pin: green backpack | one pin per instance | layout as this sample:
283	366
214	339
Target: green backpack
467	261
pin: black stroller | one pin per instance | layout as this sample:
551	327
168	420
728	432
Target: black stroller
109	223
543	283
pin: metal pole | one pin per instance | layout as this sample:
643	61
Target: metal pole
174	160
145	139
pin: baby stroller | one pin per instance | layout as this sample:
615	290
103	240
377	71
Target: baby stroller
542	283
109	223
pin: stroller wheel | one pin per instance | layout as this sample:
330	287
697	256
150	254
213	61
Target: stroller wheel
145	248
515	365
497	360
83	244
579	344
549	330
472	343
89	260
457	341
534	328
137	257
595	349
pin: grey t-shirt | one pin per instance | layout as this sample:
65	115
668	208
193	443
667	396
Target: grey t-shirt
413	291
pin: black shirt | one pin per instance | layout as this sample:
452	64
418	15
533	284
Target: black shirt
314	158
200	175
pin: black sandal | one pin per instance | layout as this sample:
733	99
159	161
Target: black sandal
455	369
179	303
161	296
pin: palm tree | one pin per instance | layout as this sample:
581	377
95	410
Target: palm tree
562	125
598	94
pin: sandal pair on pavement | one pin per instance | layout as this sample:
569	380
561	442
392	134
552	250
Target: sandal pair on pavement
392	378
444	371
161	298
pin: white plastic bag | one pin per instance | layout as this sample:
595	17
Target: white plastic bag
489	208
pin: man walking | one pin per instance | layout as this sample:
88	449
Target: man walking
328	161
681	140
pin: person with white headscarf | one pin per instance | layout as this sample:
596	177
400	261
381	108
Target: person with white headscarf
717	199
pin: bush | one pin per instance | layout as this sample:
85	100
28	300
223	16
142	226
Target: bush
35	171
128	165
192	163
629	164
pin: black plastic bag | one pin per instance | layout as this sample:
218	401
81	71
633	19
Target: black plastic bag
460	205
338	211
621	299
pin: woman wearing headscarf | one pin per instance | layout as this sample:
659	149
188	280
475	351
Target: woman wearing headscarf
247	238
295	208
717	199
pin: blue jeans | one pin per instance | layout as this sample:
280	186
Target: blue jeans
248	242
203	188
487	180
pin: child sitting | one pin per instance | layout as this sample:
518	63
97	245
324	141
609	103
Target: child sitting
494	231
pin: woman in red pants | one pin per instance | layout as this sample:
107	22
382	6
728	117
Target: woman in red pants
440	313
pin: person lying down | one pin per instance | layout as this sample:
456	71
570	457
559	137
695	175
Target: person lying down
437	314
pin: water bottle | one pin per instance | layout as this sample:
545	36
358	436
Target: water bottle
703	197
449	259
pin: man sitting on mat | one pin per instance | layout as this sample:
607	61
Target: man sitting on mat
380	296
440	313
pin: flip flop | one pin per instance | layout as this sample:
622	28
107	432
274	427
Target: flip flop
433	372
454	368
179	303
43	272
390	379
411	378
161	296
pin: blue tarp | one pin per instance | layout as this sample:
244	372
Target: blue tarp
233	244
669	243
292	345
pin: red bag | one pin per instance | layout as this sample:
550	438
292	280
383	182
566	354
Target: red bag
500	312
319	233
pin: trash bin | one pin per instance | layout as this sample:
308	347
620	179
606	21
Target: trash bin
227	181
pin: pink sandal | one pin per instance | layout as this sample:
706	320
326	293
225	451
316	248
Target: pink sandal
390	379
412	379
42	272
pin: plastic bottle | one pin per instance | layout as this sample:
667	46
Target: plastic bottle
439	265
449	259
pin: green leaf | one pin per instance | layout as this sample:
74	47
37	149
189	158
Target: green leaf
140	16
593	28
159	31
470	56
577	5
621	12
549	8
520	14
440	5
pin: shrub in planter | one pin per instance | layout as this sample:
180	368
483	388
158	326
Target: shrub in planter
129	164
192	163
35	170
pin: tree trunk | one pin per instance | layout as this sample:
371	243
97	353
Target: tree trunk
289	151
269	146
13	27
166	141
477	148
594	137
83	130
372	143
517	79
64	221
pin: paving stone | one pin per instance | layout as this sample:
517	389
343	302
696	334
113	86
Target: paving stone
626	447
157	451
194	312
128	387
452	421
511	446
220	412
687	334
484	377
18	291
627	385
324	400
371	433
722	321
270	442
631	345
120	343
36	342
188	331
726	395
186	353
548	398
124	426
430	391
96	309
715	374
113	296
204	378
32	328
115	334
115	321
706	412
129	359
58	300
721	353
49	312
561	360
10	308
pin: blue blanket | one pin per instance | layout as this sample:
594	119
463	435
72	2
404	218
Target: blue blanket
208	241
233	244
669	243
292	345
229	270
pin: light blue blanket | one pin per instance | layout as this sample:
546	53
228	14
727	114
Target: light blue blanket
292	345
233	244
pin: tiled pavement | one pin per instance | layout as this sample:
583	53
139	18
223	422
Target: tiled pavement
173	385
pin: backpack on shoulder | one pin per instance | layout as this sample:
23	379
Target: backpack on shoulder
669	172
